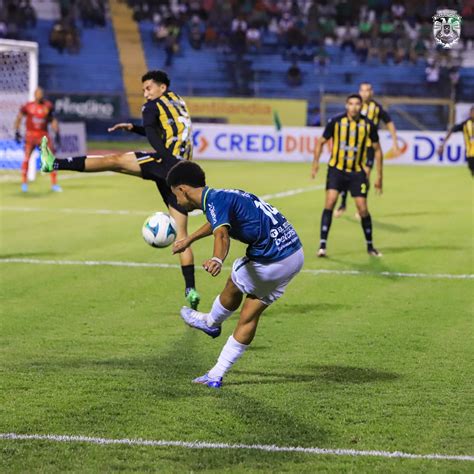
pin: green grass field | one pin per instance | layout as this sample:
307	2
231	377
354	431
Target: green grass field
365	362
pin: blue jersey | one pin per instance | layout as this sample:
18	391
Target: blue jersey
269	236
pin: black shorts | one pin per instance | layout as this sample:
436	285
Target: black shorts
354	181
470	163
156	169
370	157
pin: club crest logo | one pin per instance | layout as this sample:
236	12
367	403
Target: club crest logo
447	27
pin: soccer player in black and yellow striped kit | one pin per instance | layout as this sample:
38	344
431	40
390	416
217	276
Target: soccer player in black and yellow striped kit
375	112
167	126
467	129
352	135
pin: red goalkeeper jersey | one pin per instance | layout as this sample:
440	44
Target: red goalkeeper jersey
37	116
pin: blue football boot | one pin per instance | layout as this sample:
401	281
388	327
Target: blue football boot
211	383
197	320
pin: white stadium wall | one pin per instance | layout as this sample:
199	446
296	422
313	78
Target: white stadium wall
240	142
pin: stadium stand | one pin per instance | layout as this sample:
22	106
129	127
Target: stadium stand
315	37
229	48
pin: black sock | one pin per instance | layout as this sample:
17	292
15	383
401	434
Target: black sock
343	199
73	163
188	274
366	223
326	220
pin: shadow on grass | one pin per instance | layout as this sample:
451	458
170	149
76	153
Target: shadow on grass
413	214
238	412
421	248
372	265
383	225
378	265
317	373
316	308
31	194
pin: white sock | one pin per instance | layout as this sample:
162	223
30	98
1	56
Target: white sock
231	352
218	313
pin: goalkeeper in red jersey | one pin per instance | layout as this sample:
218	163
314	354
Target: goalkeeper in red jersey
38	114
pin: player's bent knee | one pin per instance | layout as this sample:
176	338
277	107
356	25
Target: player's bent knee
114	162
125	163
363	211
331	199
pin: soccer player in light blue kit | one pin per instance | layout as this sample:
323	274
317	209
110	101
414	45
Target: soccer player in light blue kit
274	257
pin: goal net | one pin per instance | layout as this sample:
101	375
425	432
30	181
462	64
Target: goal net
18	81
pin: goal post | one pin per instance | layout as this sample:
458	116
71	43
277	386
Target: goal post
18	81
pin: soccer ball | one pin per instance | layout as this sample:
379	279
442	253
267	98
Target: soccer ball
159	230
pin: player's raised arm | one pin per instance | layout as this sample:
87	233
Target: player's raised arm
128	127
181	245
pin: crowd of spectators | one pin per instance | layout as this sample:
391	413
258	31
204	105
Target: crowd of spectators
16	16
374	31
65	35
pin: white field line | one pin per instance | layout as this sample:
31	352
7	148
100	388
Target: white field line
73	210
255	447
105	263
292	192
123	212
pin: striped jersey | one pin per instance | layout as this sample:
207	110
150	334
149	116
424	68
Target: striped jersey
170	114
351	140
467	129
375	112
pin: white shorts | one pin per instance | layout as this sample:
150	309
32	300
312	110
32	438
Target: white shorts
266	281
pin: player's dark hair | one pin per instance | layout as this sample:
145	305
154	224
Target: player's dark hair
160	77
354	96
186	172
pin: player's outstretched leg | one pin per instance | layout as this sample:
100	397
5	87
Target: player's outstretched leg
237	344
121	163
366	222
224	306
342	207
